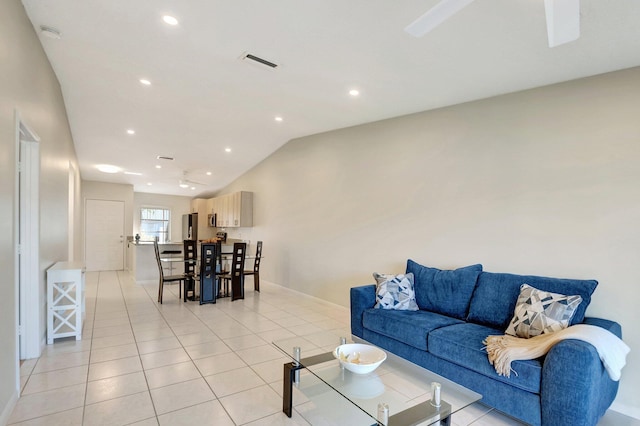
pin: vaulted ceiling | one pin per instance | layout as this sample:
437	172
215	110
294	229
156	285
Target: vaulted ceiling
204	99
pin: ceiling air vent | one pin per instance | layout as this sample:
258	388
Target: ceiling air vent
258	60
162	157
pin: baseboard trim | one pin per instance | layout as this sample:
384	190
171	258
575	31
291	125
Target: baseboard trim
8	409
318	299
626	410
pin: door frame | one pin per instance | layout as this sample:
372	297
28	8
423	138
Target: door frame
71	220
27	229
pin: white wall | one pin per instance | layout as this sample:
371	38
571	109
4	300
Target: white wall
29	85
541	182
178	205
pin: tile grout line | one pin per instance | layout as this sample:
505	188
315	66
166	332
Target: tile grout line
118	375
191	359
93	325
144	373
264	383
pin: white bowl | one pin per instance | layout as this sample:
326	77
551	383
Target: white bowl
359	358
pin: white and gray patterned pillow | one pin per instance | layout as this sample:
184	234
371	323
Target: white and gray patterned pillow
539	312
395	292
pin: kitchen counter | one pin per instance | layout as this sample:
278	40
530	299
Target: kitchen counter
143	265
146	242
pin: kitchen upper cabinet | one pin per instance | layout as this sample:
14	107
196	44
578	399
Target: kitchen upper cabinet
210	209
234	210
241	209
222	213
197	204
215	203
202	207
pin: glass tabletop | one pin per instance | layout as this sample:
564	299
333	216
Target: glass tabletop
397	392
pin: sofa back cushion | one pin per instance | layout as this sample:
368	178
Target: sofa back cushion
444	292
496	294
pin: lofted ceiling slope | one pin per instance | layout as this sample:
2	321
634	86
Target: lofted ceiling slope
203	98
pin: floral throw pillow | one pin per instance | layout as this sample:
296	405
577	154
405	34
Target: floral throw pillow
539	312
395	292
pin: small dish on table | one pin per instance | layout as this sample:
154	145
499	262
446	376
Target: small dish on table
359	358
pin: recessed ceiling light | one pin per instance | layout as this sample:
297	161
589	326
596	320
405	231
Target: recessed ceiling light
133	173
168	19
278	118
227	149
184	185
208	173
149	183
193	188
354	92
158	166
145	82
131	132
108	168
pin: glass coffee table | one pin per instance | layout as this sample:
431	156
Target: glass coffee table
398	392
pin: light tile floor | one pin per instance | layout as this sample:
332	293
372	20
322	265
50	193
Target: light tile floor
140	363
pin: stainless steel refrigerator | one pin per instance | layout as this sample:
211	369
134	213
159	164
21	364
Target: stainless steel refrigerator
190	226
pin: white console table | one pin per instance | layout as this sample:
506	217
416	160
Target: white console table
65	300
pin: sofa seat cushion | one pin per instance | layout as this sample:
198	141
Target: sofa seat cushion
462	344
495	296
410	327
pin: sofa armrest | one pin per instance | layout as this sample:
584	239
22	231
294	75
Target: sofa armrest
363	297
609	325
576	389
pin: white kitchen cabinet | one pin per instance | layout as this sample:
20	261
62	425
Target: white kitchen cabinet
202	206
234	210
223	208
241	209
197	204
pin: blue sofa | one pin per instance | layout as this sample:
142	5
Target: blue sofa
458	309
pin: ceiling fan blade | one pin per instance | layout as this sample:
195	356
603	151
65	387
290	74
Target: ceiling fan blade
436	16
563	21
185	181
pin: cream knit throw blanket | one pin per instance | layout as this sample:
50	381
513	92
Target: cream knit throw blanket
502	350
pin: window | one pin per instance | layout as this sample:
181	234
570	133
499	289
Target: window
154	223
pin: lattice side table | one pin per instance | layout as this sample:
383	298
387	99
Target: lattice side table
65	300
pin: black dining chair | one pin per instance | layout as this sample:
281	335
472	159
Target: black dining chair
256	267
180	279
236	276
208	277
220	269
190	253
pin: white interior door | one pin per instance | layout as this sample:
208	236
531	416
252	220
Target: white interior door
104	235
